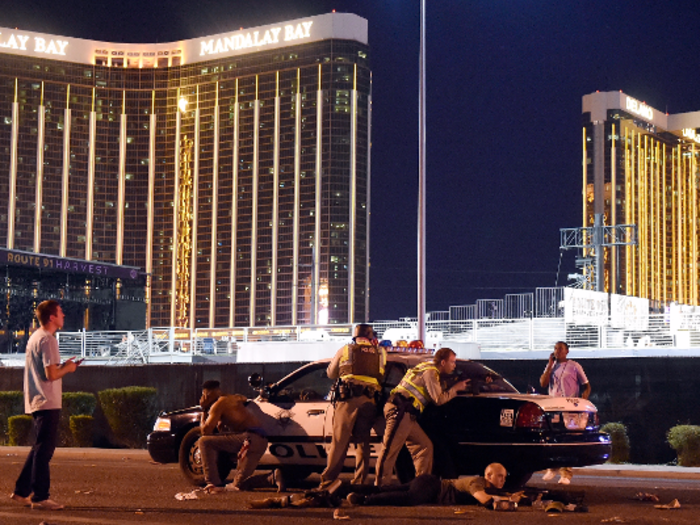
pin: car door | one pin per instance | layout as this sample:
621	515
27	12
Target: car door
293	417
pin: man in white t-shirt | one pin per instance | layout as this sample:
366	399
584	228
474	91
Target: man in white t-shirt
564	378
43	373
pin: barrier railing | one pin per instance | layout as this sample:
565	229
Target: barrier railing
137	347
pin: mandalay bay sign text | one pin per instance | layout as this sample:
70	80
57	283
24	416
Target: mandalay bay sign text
257	39
19	42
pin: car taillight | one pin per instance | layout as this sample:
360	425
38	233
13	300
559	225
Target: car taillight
531	415
594	420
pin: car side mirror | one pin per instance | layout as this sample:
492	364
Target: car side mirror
255	381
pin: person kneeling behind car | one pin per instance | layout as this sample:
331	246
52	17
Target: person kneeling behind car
486	490
239	433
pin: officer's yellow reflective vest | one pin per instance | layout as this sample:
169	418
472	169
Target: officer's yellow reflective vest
411	388
362	361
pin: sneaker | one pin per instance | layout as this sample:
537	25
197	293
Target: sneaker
355	498
564	481
549	475
21	499
47	504
213	489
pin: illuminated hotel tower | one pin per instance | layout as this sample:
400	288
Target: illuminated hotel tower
234	168
640	166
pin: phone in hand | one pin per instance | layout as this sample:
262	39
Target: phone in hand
80	360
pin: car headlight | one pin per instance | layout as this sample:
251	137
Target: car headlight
162	424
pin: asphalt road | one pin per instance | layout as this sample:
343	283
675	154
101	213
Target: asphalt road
124	487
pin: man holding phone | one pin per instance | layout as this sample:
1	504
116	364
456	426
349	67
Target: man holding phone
565	378
43	373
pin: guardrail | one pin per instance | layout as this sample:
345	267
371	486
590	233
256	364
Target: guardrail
140	347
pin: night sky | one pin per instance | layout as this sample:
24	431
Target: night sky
505	81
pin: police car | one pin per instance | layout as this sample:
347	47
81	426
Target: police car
491	421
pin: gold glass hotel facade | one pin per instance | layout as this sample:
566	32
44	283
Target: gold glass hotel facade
232	169
640	167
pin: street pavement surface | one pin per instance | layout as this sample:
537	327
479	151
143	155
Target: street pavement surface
120	487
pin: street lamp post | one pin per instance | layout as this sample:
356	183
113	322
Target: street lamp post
421	177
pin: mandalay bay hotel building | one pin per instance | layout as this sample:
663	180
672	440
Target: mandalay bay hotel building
232	169
640	166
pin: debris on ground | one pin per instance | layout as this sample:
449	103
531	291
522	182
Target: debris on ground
195	494
614	519
340	515
646	496
675	504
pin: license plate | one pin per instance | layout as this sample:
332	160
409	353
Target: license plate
575	420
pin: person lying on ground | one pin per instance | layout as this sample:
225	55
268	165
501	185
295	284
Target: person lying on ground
427	488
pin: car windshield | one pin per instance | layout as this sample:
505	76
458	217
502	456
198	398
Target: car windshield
309	383
483	379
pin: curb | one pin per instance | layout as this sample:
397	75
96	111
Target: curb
606	470
640	471
83	453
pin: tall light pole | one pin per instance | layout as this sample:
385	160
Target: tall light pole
421	177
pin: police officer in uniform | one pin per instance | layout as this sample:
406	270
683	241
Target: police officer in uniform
360	368
418	388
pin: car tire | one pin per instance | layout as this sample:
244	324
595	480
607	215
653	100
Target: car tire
190	459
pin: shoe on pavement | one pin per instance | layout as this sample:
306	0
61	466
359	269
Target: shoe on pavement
355	498
21	499
47	504
213	489
564	481
550	474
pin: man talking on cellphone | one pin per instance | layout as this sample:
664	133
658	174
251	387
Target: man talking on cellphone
565	378
43	373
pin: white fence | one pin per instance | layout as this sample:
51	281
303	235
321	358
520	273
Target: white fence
138	347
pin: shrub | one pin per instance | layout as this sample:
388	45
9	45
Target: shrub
131	412
620	442
685	440
11	404
74	404
81	428
19	430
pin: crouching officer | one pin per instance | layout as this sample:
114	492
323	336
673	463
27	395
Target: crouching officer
419	387
359	366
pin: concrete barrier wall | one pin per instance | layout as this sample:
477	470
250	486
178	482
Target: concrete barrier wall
649	395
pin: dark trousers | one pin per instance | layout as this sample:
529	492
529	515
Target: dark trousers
35	477
423	489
